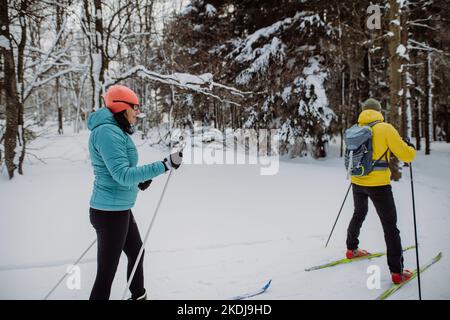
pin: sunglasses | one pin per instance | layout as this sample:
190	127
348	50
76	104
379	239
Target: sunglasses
135	107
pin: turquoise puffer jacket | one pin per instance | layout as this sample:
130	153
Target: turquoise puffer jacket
114	158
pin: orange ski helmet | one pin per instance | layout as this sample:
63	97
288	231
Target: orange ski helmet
118	98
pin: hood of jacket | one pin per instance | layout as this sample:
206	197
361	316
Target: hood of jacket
100	117
368	116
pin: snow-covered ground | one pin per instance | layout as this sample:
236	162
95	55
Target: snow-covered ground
221	231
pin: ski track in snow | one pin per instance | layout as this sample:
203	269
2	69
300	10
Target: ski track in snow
49	264
222	230
58	263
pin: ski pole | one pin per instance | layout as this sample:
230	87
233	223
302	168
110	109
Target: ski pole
141	251
415	229
68	271
340	210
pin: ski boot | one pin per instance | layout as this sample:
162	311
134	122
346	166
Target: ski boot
350	254
398	278
142	297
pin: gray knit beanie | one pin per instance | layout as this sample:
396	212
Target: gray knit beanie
371	104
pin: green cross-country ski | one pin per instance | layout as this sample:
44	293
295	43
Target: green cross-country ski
395	287
345	260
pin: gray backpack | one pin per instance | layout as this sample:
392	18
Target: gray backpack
358	151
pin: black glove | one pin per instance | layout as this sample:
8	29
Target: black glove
409	143
173	161
144	185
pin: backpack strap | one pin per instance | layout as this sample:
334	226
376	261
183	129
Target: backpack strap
371	124
377	165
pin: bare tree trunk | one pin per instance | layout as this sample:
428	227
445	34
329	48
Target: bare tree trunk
394	75
405	102
58	88
97	55
428	110
416	121
11	93
447	126
446	99
20	78
415	104
341	115
350	91
233	117
216	116
59	107
86	22
100	63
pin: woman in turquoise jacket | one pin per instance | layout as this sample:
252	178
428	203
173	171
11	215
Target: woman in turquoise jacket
117	181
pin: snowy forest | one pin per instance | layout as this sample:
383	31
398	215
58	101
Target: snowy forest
303	67
299	69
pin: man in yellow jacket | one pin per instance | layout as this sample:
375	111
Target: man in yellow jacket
377	186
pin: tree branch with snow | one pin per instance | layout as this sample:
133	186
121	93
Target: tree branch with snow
203	84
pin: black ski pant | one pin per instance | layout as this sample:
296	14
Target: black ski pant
383	201
117	231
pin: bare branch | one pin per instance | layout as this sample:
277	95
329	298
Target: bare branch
424	47
32	83
420	25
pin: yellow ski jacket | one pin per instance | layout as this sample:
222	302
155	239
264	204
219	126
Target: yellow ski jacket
384	137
